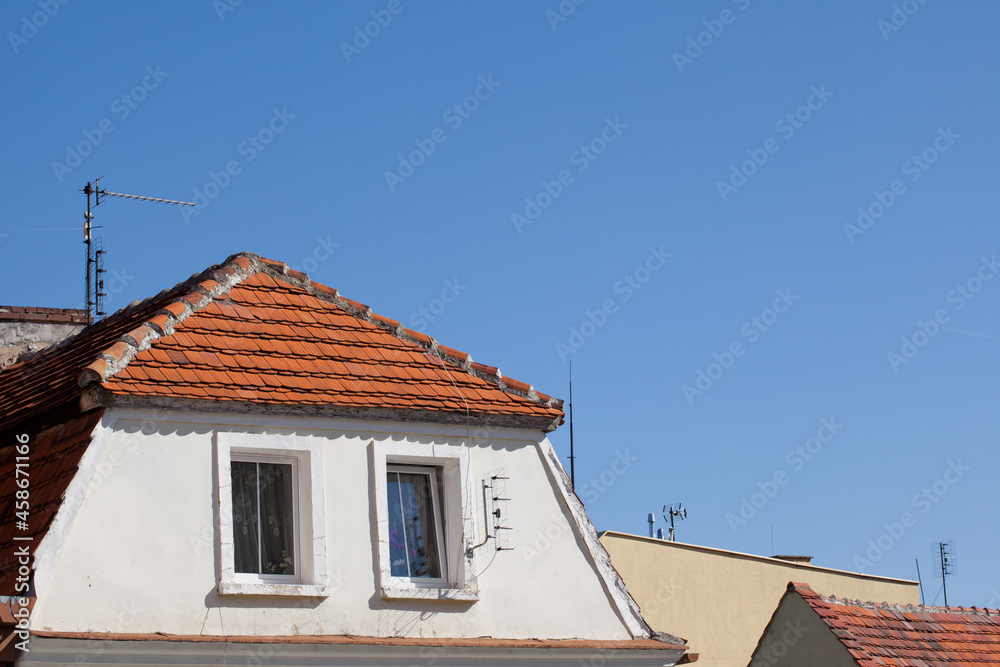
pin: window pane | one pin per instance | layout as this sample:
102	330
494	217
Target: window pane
277	530
413	548
245	516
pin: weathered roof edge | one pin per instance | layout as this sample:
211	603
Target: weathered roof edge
97	396
806	591
219	279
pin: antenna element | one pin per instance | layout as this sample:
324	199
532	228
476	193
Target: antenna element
677	512
946	562
95	247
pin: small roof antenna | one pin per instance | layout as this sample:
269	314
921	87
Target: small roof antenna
95	247
677	512
945	563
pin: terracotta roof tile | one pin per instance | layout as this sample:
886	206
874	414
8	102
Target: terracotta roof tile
266	335
884	634
55	453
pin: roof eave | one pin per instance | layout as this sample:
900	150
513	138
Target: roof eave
536	422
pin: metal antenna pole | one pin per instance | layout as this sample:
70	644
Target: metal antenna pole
944	554
96	259
944	572
87	217
920	583
572	457
680	513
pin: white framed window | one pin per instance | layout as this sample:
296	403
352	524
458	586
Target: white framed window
416	536
266	531
423	521
271	515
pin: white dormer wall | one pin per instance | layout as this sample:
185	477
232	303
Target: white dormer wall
137	545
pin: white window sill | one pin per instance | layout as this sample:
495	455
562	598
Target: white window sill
300	590
412	592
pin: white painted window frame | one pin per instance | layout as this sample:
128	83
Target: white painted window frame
456	529
296	463
434	483
306	453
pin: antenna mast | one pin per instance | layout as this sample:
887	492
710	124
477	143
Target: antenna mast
944	558
674	512
95	247
572	458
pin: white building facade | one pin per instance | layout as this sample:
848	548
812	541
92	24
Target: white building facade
295	529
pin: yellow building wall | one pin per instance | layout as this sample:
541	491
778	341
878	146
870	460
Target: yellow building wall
721	601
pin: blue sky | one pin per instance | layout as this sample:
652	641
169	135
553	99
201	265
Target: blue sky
739	138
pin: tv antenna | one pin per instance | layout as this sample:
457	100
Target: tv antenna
95	247
496	514
945	563
677	512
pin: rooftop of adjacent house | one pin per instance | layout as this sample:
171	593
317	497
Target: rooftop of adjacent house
804	562
24	329
32	314
891	634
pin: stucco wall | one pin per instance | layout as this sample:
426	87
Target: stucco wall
140	554
721	601
797	636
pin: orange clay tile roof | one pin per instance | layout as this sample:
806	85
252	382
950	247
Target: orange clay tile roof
887	634
55	452
251	334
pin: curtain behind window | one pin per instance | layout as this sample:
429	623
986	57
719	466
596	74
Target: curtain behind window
413	548
263	521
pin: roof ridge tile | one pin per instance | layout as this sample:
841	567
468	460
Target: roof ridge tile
116	357
137	327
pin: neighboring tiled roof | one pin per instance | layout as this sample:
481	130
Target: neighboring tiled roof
888	634
32	314
252	332
54	454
